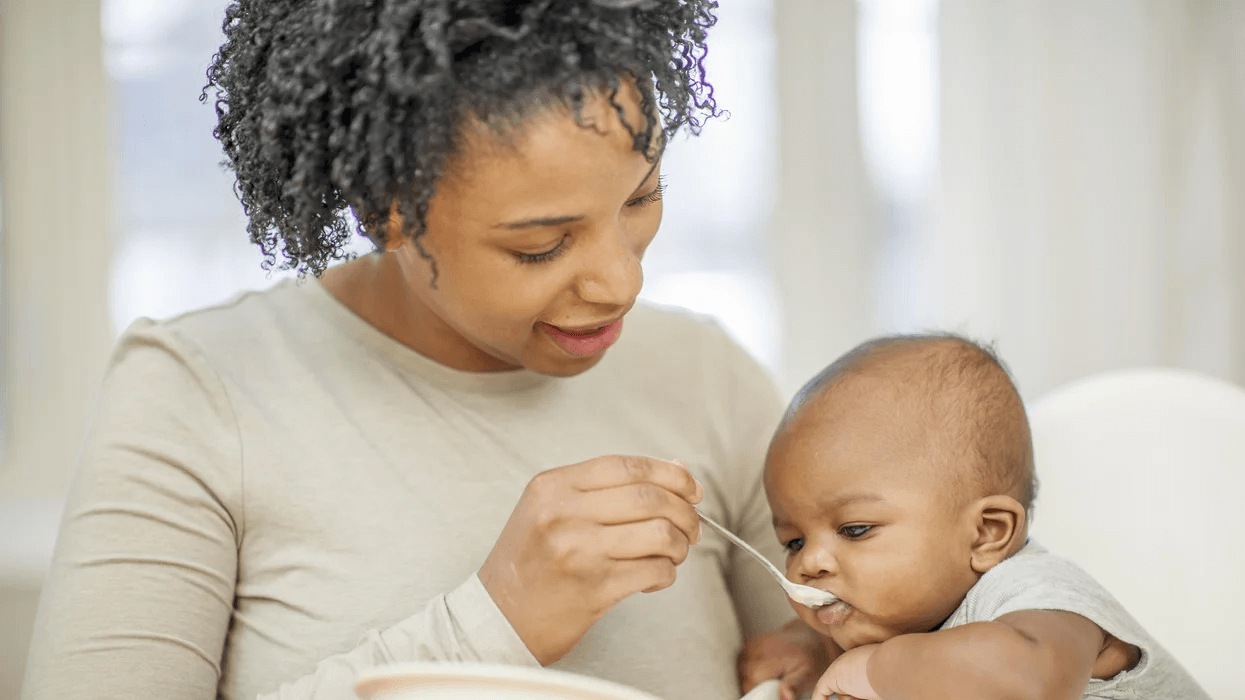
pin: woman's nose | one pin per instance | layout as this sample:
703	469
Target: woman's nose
612	275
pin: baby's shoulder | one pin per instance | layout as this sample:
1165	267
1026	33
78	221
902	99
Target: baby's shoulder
1034	579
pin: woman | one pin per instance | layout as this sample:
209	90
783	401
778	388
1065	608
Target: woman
430	452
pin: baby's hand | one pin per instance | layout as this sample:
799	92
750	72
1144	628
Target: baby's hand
793	654
846	677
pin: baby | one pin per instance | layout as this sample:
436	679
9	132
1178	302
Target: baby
901	480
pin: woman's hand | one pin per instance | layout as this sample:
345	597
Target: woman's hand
582	538
793	654
847	676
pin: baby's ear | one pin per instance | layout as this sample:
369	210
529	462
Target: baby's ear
1000	531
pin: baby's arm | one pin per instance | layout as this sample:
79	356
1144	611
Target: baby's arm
1025	655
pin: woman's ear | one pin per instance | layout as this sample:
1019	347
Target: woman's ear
1001	530
394	237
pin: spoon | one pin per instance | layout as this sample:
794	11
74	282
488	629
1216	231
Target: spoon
804	595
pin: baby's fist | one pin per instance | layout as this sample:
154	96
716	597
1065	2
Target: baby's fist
847	676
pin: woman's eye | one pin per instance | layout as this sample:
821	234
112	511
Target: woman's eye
793	545
855	532
651	197
545	256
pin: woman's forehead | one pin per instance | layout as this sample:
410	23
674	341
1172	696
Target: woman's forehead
599	109
548	145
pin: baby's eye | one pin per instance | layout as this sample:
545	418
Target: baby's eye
794	545
855	532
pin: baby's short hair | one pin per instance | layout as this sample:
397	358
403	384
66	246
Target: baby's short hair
964	386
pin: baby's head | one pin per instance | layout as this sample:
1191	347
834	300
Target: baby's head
898	476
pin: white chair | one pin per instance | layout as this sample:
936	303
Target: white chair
1143	485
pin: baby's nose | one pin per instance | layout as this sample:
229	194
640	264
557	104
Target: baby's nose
813	563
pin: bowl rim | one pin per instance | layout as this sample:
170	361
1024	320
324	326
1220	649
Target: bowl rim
390	677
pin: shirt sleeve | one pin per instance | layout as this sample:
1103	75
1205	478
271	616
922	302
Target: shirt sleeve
463	625
1047	582
140	593
755	407
139	599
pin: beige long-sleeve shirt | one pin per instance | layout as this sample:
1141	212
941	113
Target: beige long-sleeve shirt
276	495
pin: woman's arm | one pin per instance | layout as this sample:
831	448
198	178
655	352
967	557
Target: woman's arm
462	625
1026	655
140	594
581	538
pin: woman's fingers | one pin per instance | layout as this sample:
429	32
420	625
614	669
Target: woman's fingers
582	538
644	540
647	575
623	470
636	503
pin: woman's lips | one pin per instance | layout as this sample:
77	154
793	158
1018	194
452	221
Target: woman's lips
835	614
585	343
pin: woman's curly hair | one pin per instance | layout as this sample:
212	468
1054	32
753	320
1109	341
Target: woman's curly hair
328	107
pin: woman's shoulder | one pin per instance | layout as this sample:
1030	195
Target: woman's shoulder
682	349
248	324
245	314
246	338
675	332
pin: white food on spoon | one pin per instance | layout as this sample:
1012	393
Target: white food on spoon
809	596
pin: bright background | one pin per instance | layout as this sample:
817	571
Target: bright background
1065	178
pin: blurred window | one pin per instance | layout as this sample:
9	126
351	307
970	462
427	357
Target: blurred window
4	345
711	255
181	236
898	82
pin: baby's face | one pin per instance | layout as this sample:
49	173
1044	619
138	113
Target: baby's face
861	508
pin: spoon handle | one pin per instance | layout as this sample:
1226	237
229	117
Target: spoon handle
804	595
773	570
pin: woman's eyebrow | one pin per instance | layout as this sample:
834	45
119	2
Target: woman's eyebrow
563	220
543	221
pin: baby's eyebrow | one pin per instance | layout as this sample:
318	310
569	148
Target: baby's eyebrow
835	503
850	498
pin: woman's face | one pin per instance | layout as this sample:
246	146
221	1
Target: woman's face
537	239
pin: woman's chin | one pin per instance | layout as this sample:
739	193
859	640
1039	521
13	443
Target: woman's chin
564	367
554	362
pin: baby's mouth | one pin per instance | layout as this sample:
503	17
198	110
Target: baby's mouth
835	614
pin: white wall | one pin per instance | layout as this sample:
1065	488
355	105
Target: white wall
54	173
57	246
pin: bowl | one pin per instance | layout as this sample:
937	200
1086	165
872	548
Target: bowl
767	690
480	681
